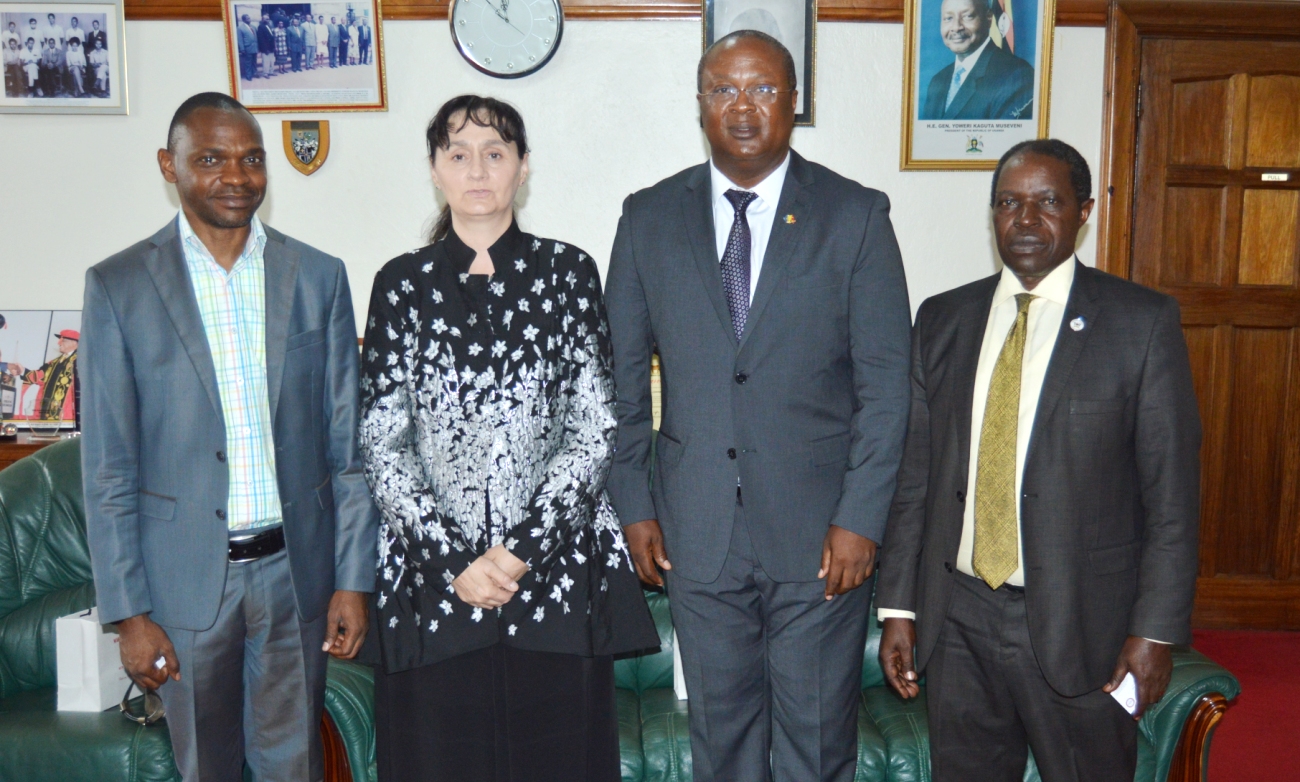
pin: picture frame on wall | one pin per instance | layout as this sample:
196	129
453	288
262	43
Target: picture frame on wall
792	22
977	78
63	58
38	376
280	62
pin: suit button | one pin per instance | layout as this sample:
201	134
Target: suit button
731	453
221	514
961	496
221	456
741	377
947	566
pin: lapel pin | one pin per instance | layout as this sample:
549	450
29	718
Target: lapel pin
1078	323
789	220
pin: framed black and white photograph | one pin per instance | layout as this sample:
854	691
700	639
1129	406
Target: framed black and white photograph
38	363
977	80
63	58
792	22
308	57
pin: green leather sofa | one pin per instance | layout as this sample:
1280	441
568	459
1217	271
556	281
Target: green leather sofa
45	574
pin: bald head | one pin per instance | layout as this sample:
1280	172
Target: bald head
748	37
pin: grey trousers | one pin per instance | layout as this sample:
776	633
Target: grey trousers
773	672
252	686
987	702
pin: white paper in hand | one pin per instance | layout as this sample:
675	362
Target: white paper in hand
1126	694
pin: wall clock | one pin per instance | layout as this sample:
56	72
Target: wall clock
507	38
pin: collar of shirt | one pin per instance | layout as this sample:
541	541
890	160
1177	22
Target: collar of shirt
1055	287
768	191
504	252
967	65
194	246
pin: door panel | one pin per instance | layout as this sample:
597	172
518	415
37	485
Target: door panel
1216	224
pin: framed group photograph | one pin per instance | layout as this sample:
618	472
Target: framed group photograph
38	362
977	78
306	57
792	22
63	58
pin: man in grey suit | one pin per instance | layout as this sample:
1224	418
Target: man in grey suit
1042	543
773	291
232	534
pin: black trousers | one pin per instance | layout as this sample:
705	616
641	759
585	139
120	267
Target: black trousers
988	703
499	715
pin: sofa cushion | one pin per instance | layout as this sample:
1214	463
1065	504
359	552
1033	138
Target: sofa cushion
631	757
43	744
872	752
649	671
665	736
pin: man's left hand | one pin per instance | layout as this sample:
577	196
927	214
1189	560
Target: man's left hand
346	624
847	560
1151	665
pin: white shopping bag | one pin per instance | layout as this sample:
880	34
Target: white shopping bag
89	665
679	679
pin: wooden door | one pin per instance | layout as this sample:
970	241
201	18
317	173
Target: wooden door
1216	224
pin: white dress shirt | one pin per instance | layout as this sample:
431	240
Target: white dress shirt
967	65
760	214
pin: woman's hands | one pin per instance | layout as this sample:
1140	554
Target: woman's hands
491	580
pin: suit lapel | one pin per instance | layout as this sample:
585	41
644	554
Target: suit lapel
281	268
166	265
697	216
967	89
1069	344
971	323
784	239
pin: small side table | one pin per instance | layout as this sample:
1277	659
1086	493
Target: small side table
24	444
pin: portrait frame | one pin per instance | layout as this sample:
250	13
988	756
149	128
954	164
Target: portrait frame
719	19
314	87
931	142
112	99
31	340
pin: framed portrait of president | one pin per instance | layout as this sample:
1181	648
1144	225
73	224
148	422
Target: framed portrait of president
792	22
977	80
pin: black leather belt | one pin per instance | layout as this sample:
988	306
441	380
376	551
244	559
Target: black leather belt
248	549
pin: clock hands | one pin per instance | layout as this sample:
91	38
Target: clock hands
503	14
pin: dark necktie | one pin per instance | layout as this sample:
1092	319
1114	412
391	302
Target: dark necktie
735	261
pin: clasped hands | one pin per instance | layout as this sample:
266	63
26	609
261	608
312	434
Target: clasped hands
847	558
491	580
1150	663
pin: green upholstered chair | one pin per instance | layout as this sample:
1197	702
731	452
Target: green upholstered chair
45	574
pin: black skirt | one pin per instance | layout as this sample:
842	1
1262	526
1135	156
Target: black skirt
499	714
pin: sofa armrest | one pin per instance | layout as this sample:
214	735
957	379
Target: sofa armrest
1195	680
350	703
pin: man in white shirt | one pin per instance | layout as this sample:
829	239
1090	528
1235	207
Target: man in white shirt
984	80
1042	543
773	292
53	31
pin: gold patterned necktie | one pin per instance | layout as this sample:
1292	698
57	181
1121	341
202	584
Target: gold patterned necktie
997	553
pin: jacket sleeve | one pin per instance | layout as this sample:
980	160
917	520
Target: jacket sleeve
633	346
1168	443
564	503
356	521
409	522
879	324
110	456
900	560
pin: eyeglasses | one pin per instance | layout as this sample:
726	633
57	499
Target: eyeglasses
727	94
153	707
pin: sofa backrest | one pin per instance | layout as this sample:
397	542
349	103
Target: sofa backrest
652	671
44	562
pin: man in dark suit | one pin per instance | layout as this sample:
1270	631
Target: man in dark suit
343	42
1042	542
266	45
984	81
231	530
95	34
773	291
363	41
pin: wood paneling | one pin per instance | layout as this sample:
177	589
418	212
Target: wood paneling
1193	244
1268	236
1274	120
1200	115
1089	13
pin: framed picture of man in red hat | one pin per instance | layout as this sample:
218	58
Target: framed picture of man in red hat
38	366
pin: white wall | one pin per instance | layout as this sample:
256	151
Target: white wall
613	112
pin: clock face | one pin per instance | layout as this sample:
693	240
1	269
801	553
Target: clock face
507	38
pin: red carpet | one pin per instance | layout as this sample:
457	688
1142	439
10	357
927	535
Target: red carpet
1258	740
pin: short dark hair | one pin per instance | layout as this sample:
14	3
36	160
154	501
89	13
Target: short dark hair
204	100
1080	174
484	112
787	59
